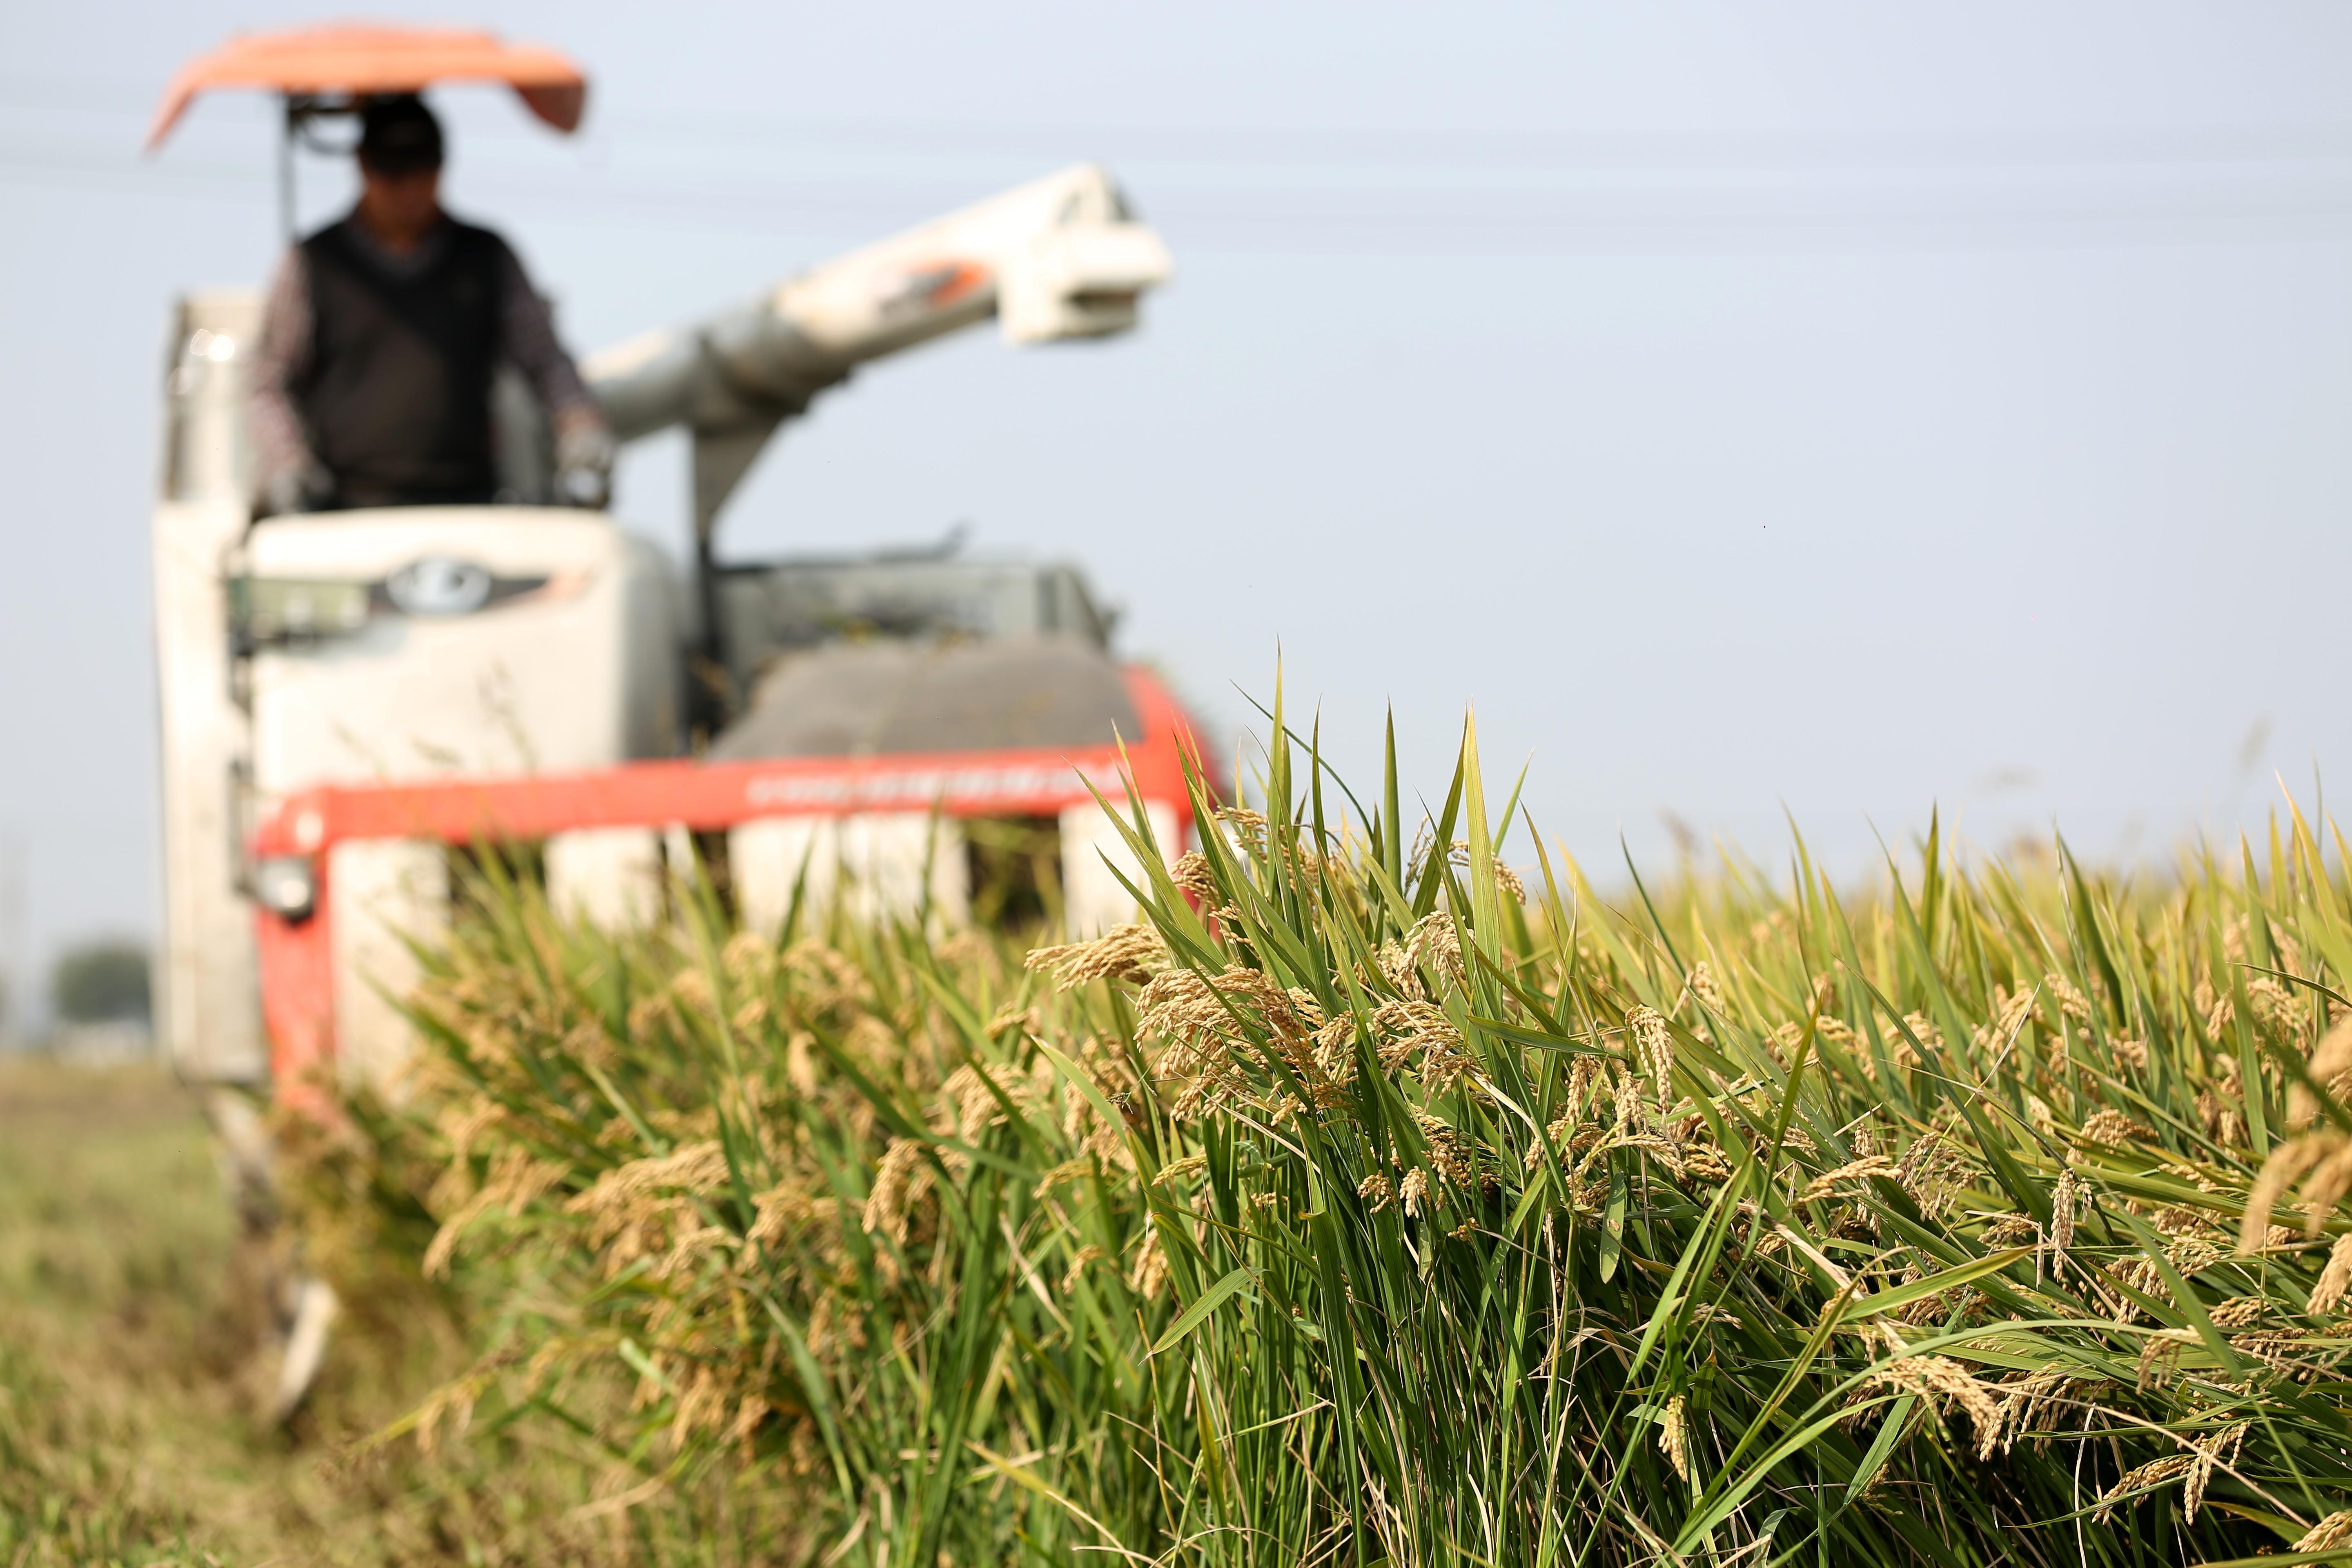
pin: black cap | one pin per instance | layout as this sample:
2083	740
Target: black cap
398	135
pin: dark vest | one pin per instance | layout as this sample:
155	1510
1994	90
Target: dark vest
397	401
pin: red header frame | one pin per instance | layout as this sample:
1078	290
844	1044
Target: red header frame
297	956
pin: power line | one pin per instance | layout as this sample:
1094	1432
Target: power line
1593	149
1278	209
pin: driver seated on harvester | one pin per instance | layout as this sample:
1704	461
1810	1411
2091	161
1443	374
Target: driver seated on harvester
379	341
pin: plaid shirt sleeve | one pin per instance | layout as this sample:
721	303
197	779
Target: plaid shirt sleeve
280	361
528	327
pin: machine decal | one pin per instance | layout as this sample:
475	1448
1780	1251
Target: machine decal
910	786
930	288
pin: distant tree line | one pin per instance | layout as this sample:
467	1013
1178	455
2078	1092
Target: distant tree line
102	983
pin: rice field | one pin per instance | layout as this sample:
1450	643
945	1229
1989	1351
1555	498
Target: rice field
1386	1195
1369	1201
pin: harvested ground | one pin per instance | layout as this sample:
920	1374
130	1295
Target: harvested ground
119	1436
125	1350
129	1353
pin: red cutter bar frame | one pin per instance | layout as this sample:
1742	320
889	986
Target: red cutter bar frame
297	976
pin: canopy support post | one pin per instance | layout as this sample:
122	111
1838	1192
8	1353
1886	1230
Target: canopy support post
286	216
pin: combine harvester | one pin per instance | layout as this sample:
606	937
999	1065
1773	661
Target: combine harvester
353	700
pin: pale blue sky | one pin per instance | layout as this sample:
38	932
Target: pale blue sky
1847	407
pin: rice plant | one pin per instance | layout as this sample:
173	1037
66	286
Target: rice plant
1371	1202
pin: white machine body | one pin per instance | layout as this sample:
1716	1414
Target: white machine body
484	640
396	645
208	1005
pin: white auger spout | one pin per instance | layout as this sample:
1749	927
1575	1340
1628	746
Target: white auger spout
1058	258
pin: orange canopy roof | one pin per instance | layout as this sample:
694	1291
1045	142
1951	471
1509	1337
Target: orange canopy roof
368	60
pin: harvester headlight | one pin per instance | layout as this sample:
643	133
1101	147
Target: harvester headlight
287	885
439	586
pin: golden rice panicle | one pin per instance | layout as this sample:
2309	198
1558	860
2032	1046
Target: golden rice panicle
1248	827
2009	1017
1434	941
2332	1532
2326	1156
2155	1473
1397	967
2336	1279
787	1208
1147	1277
2072	1003
1193	874
1412	1193
2111	1129
1183	1170
2024	1397
1674	1438
1861	1170
1130	952
698	1167
515	1182
2210	1457
2238	1311
1654	1048
979	1093
2063	1201
2330	1066
1937	1379
1184	1009
900	1180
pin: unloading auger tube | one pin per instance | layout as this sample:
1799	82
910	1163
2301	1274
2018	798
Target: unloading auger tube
1058	258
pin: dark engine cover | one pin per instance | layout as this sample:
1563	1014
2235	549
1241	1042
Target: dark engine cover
863	698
